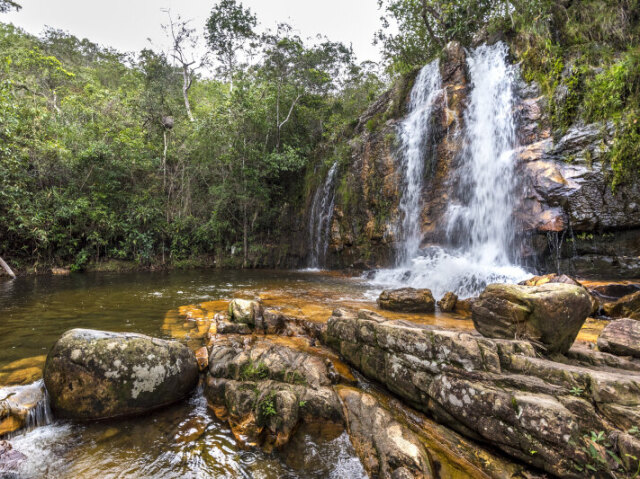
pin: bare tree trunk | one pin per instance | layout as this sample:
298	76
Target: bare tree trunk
186	84
5	266
164	159
245	239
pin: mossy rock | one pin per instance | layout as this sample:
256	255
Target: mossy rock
96	374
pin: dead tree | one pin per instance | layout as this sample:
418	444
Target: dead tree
183	50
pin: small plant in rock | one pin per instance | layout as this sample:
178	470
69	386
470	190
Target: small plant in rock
268	407
576	391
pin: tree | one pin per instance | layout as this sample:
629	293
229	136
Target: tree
425	26
297	70
228	29
184	44
8	5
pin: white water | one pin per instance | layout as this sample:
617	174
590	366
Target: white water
480	229
414	137
320	220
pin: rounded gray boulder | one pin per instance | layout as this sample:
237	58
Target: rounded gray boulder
96	374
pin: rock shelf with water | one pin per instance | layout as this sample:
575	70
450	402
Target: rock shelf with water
537	410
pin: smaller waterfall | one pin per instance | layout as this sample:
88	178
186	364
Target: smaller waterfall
41	414
320	217
414	135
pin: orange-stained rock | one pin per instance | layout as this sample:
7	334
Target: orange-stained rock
202	356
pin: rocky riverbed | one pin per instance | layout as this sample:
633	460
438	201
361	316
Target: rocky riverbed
414	399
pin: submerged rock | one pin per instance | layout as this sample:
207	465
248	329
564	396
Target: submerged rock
498	391
96	374
407	300
550	315
626	307
386	448
10	460
23	406
448	302
621	337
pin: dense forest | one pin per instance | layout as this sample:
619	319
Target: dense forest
178	157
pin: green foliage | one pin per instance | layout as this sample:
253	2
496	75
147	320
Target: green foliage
228	28
99	160
254	372
267	408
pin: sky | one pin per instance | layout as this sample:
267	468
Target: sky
128	24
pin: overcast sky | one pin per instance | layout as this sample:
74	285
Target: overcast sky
126	24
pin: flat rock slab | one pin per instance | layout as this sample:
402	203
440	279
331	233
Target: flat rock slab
96	374
621	337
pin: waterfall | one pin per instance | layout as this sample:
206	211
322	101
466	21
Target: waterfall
320	217
483	223
414	133
480	231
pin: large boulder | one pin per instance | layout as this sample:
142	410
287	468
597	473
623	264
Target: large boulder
626	307
550	315
621	337
96	374
407	300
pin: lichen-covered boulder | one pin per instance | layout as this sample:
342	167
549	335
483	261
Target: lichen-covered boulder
407	300
550	315
96	374
448	302
245	311
621	337
626	307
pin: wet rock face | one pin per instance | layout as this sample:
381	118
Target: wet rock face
499	391
407	300
621	337
627	306
549	278
265	388
551	314
387	449
10	460
21	405
95	374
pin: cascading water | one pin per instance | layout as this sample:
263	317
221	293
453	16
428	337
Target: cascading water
414	137
320	220
480	230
